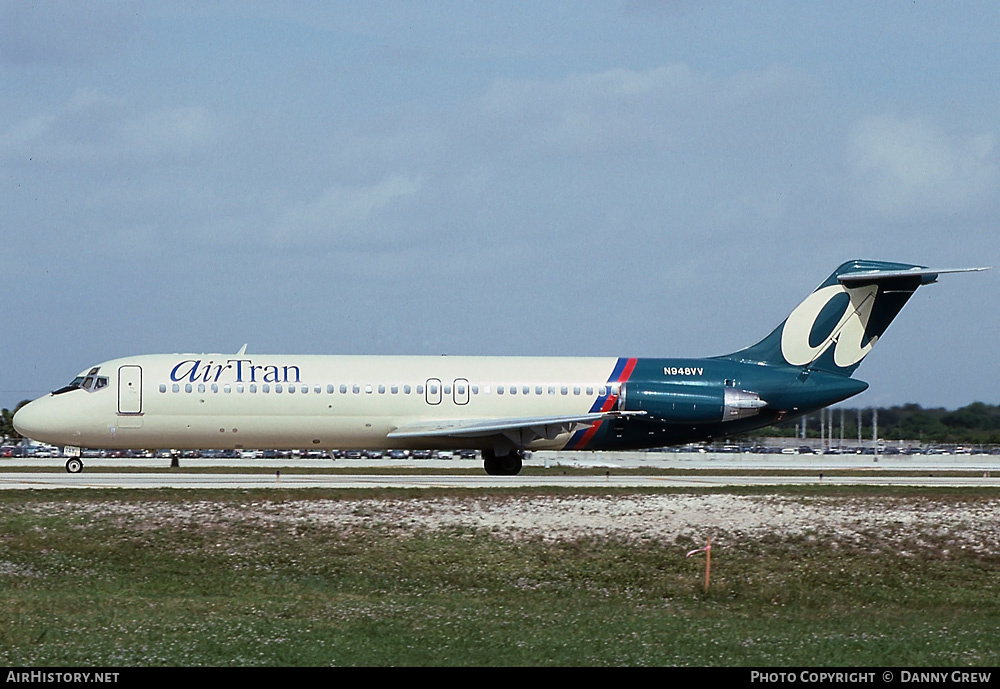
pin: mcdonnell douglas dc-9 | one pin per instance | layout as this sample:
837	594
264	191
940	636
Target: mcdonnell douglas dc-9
503	406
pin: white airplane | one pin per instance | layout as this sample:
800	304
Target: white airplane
502	406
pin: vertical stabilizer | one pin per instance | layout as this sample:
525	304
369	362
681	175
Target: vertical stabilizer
836	326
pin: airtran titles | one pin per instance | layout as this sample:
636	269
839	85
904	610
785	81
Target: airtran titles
233	371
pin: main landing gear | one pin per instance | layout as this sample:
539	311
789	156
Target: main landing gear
503	465
74	465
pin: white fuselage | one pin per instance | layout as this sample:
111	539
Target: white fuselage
218	401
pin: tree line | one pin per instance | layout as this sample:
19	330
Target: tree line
974	424
7	431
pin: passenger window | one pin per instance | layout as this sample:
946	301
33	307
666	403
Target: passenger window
163	387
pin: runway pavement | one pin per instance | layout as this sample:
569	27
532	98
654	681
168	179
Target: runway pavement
31	480
976	471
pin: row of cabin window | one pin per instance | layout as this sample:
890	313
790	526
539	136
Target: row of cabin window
433	389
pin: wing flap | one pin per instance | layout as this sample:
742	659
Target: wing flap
521	431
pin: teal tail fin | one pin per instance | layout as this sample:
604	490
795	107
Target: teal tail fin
837	325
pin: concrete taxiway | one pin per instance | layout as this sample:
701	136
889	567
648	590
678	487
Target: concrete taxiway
32	480
981	471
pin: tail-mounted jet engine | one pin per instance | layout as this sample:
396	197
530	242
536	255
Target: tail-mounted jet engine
687	403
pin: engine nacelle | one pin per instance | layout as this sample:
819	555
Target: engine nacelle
686	403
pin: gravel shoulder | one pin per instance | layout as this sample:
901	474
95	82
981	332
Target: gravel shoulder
935	522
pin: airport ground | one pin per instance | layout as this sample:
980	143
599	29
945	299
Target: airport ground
575	562
557	469
801	576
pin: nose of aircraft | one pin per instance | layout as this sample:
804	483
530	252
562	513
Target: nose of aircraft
31	420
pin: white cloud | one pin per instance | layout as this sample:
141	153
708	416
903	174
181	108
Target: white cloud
903	168
91	127
342	213
21	135
593	112
621	109
171	132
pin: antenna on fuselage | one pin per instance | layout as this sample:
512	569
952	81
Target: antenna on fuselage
243	350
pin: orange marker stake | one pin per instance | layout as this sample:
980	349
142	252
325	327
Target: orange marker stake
708	560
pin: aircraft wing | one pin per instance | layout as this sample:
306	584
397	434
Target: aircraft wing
519	431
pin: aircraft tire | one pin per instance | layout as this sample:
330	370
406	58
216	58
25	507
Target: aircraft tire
505	465
74	465
512	464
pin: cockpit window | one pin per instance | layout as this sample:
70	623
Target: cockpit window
89	382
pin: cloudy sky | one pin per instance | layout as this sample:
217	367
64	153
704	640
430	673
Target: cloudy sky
625	177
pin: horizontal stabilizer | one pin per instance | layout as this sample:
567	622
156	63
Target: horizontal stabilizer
928	275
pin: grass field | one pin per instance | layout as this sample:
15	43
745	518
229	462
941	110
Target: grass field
183	578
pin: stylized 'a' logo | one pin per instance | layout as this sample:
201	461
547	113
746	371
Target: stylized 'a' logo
818	323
